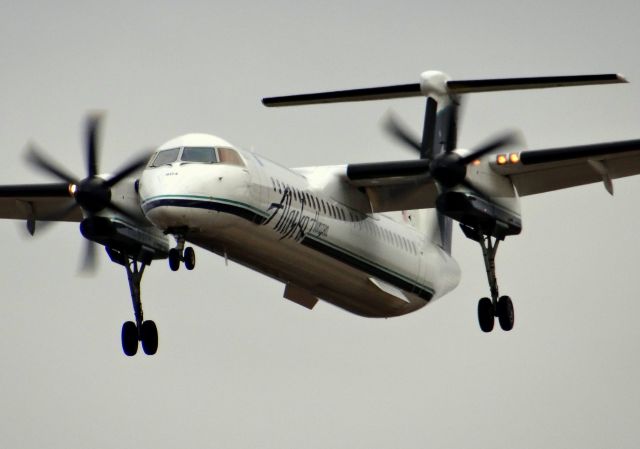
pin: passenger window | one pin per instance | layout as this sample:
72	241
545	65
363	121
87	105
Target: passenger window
199	154
229	156
166	157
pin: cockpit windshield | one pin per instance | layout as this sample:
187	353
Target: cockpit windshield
202	155
166	157
199	154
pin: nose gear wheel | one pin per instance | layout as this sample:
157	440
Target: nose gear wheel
180	254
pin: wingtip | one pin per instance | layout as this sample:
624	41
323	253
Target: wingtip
622	78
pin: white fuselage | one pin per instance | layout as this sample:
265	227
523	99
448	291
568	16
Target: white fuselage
305	227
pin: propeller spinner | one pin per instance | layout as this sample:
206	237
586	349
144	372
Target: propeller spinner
92	193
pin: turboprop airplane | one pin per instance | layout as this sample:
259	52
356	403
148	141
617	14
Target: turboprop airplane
371	238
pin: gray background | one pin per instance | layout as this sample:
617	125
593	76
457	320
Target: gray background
238	366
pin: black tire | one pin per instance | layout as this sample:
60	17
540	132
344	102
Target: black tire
129	338
174	259
149	337
485	314
506	315
189	258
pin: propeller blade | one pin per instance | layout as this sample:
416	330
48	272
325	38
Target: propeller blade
393	126
89	259
92	129
125	171
510	138
35	157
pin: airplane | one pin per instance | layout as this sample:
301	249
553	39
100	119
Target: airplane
371	238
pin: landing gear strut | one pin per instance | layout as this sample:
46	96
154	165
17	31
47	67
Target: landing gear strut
496	306
181	254
141	331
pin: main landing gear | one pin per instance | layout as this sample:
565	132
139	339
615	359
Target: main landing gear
496	306
181	254
140	331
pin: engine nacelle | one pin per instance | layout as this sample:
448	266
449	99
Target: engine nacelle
140	243
484	216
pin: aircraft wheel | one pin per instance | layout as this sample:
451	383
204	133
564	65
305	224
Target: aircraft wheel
485	314
149	337
506	315
129	338
189	258
174	259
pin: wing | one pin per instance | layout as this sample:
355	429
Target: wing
39	202
406	185
538	171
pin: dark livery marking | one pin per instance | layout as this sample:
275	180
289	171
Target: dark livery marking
354	262
239	211
293	223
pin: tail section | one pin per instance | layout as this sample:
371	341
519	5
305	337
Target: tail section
440	131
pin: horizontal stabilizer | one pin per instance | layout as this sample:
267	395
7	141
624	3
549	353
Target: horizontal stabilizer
338	96
438	83
472	86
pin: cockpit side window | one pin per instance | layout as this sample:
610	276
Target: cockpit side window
229	156
165	157
205	155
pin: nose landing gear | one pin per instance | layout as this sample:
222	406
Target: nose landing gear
181	254
496	306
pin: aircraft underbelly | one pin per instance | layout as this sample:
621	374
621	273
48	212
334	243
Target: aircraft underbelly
323	273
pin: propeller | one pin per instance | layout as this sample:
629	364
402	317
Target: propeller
449	169
92	193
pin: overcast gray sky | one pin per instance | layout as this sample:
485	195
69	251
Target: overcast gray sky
238	366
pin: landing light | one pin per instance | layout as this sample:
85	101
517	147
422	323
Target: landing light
73	189
504	159
476	162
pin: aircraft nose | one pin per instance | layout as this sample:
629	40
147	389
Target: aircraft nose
190	195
